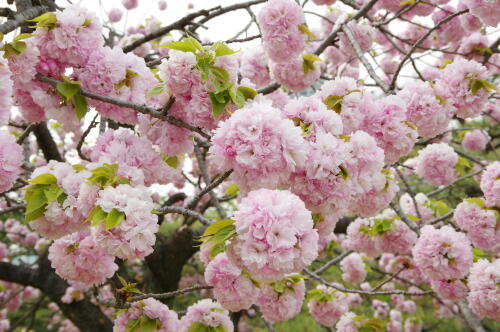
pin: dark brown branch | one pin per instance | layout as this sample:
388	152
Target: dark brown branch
20	18
46	142
138	107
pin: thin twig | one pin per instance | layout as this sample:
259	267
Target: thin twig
359	291
184	212
359	54
170	294
420	41
84	135
332	262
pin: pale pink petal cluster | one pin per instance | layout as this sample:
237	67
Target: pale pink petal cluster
276	306
255	66
208	313
61	219
327	312
11	159
113	73
373	200
152	309
260	145
73	39
484	296
359	238
442	253
490	184
6	90
279	21
475	140
346	323
292	75
408	206
322	183
134	237
455	81
77	258
232	289
123	147
487	11
115	15
353	269
481	225
452	290
275	235
436	164
386	122
428	111
399	239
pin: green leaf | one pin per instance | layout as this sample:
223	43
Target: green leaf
221	49
308	62
132	325
248	93
52	193
23	36
29	216
204	65
407	2
381	226
35	198
46	178
217	226
68	90
478	254
334	103
237	97
218	105
199	327
149	324
477	84
127	81
155	90
232	190
97	216
344	173
188	44
14	48
104	175
463	166
78	167
305	30
171	161
47	20
475	200
114	218
482	49
81	106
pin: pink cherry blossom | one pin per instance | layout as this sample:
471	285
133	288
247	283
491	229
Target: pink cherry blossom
443	253
77	258
275	235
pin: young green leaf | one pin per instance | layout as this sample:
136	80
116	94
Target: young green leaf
114	218
221	49
68	90
155	91
46	178
81	106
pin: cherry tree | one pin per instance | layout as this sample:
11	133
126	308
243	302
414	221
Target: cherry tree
330	165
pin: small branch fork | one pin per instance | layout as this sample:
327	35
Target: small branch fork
138	107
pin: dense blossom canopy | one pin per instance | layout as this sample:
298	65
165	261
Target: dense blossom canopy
331	163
